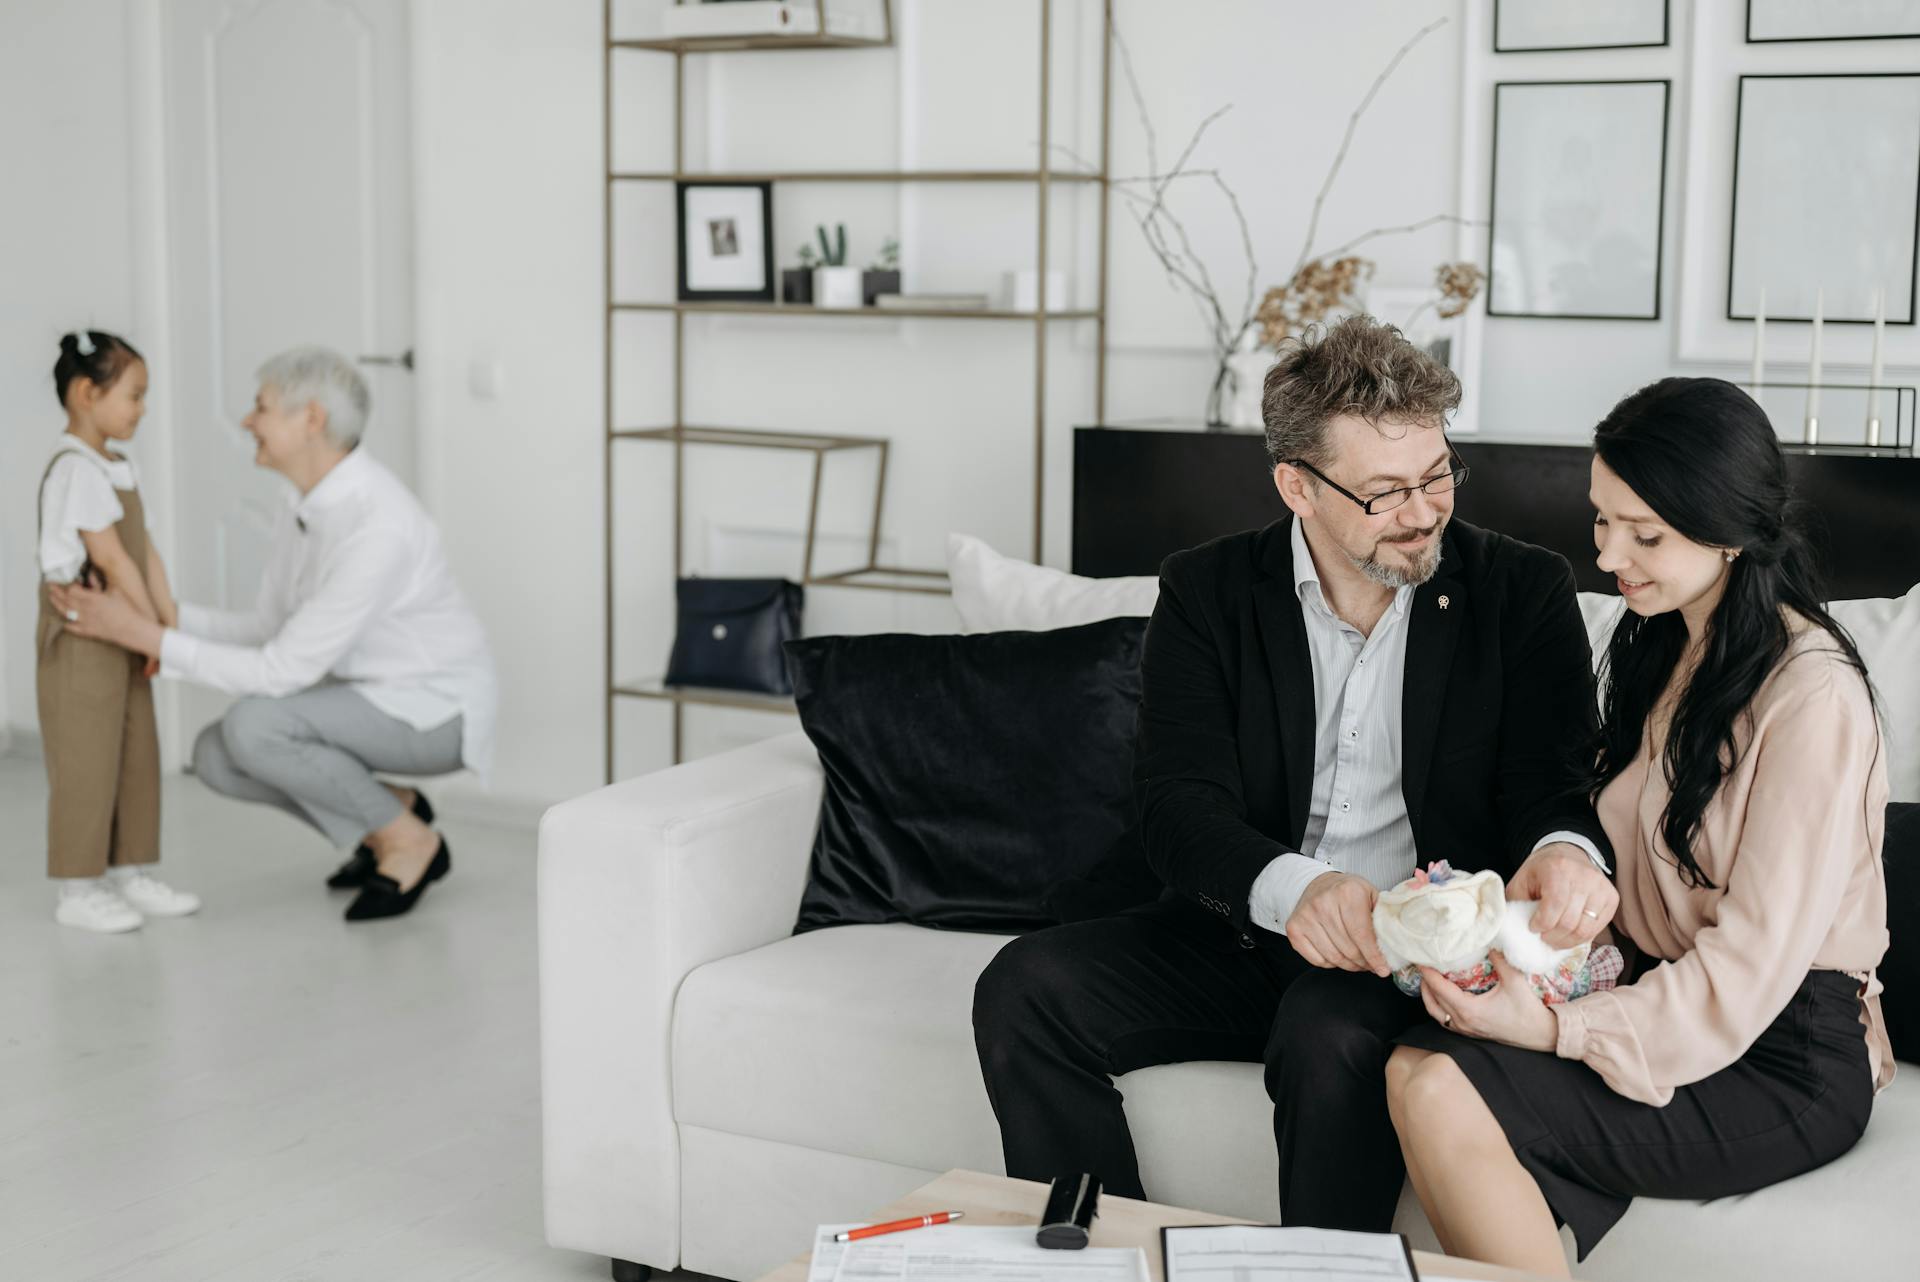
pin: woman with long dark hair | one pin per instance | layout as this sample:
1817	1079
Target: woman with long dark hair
1740	777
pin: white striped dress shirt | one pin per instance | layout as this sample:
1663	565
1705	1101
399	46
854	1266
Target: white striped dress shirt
1357	819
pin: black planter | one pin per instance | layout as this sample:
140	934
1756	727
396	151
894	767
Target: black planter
796	285
875	283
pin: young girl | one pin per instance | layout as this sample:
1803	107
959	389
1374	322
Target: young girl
96	706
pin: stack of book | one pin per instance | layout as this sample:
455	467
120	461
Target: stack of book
932	302
797	18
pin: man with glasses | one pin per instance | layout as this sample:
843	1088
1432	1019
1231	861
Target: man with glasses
1364	686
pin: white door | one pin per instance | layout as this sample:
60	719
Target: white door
290	221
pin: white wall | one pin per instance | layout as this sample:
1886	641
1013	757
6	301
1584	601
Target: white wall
1293	74
66	244
508	199
1559	377
508	161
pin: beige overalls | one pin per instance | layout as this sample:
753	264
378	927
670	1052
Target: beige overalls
97	728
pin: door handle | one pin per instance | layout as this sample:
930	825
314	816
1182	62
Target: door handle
404	359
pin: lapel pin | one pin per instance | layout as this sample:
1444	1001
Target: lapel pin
1443	603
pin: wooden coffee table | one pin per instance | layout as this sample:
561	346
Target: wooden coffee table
997	1200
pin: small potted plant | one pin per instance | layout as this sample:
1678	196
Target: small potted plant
796	283
883	277
834	283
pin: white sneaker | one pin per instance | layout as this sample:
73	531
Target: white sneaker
99	909
154	897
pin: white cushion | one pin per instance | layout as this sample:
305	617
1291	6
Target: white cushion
1887	630
995	593
1601	612
1852	1218
851	1039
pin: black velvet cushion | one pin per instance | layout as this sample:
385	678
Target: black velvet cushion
1900	969
965	775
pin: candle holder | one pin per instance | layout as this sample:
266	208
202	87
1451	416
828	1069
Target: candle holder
1826	432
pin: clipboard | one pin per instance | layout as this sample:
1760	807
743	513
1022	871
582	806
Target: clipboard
1271	1253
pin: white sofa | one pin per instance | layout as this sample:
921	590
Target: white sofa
714	1087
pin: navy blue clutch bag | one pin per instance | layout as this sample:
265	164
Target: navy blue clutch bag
728	633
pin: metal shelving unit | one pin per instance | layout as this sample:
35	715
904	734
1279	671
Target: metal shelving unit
855	313
681	436
865	176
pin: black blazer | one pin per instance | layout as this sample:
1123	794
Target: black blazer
1498	691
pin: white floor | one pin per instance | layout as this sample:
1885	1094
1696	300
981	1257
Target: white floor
264	1093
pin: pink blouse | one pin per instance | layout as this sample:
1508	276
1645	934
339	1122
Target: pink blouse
1792	845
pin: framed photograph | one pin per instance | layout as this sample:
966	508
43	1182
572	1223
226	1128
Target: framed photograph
1561	26
1769	21
726	242
1415	312
1826	196
1578	201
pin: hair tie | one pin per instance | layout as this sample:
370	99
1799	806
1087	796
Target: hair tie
1770	550
83	342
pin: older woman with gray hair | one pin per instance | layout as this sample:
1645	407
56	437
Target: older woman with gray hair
359	656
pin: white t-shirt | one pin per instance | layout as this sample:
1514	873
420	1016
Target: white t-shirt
78	495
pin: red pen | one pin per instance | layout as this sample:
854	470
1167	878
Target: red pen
917	1222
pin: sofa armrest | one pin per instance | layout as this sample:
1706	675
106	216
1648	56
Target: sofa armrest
639	884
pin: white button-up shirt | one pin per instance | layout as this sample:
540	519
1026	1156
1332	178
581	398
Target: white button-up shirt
357	590
1357	817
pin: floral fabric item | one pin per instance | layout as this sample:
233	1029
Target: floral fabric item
1450	921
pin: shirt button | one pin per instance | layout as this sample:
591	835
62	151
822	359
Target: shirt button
1346	806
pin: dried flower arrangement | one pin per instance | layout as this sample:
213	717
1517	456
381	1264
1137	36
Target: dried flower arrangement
1320	283
1459	284
1316	291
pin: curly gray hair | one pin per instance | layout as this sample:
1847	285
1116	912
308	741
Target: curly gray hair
1362	367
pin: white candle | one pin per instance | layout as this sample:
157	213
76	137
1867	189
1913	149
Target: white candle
1760	343
1873	379
1813	363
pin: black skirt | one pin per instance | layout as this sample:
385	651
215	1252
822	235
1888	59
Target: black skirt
1796	1100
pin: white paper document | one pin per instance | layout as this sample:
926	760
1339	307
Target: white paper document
825	1263
1245	1253
965	1253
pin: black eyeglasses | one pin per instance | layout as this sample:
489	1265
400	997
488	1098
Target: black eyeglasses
1391	499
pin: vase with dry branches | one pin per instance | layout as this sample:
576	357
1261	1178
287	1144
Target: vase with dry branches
1243	338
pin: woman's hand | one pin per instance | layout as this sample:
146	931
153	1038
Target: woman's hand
106	616
1511	1013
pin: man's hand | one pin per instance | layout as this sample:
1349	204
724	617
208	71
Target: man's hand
1332	925
1576	899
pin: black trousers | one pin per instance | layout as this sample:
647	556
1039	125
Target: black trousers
1061	1012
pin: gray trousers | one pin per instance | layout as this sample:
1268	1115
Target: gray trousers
314	755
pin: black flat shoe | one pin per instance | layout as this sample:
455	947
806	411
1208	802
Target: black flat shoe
353	874
361	864
382	896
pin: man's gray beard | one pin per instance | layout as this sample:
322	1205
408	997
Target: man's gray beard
1423	567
